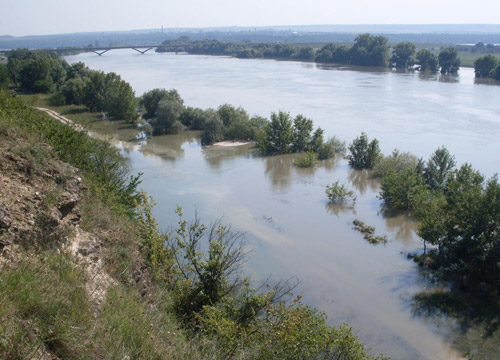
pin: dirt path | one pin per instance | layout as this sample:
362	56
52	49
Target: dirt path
61	118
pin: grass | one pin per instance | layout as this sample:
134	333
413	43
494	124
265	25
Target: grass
92	121
43	305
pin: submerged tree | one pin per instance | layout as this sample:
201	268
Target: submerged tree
403	56
427	61
362	153
449	61
485	66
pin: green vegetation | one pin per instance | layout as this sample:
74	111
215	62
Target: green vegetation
4	76
368	232
403	56
449	61
427	61
181	301
487	67
458	210
41	72
305	160
367	50
363	154
339	194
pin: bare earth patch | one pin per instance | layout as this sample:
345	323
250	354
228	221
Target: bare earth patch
232	143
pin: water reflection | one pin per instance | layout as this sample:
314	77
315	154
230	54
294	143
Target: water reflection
449	78
428	76
170	147
362	180
403	226
279	170
337	209
377	70
215	155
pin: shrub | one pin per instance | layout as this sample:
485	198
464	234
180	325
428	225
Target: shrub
331	148
362	153
396	162
339	194
305	160
399	190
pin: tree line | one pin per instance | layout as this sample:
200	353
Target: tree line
457	207
42	72
368	50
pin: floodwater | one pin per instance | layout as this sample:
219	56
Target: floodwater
293	230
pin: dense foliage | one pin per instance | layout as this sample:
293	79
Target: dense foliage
38	71
487	67
363	154
458	210
403	56
449	61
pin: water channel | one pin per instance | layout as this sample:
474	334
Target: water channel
291	227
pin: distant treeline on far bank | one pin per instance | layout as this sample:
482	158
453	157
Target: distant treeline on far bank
368	50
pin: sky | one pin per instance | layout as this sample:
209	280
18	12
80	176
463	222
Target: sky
40	17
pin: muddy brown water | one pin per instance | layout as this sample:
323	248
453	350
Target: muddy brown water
289	224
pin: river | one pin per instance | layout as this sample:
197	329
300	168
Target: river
290	226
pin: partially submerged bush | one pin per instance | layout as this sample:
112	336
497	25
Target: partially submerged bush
362	153
396	162
338	193
305	160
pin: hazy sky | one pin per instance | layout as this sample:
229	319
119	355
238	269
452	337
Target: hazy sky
25	17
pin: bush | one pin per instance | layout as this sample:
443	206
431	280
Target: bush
399	190
305	160
396	162
362	153
58	99
331	148
213	130
339	194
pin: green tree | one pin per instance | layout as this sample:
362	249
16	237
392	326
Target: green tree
399	189
302	128
403	56
438	169
316	140
369	50
427	61
120	101
150	100
277	135
73	90
167	116
362	153
94	93
213	129
305	53
325	54
497	73
193	118
449	61
36	71
485	66
229	114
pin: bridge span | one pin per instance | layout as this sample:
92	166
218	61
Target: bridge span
100	50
